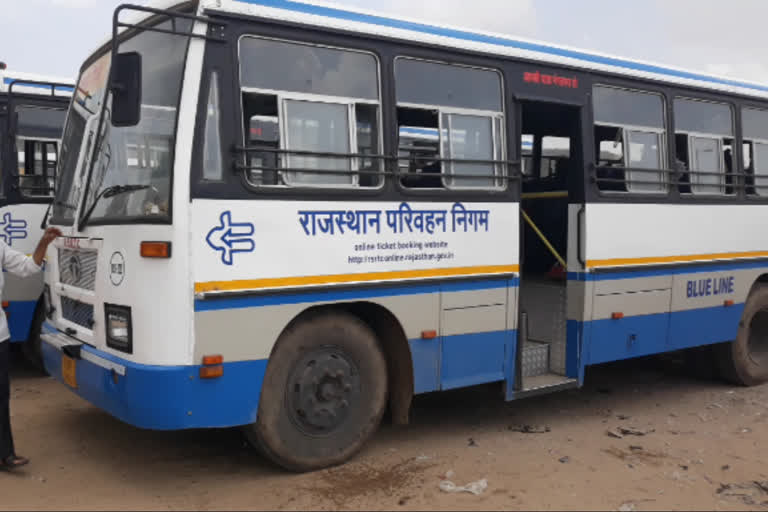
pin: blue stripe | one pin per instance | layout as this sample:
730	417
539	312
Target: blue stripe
346	295
615	340
167	397
677	270
22	83
496	40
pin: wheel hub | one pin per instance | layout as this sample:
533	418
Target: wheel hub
323	385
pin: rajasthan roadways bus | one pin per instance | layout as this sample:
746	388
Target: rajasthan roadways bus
291	217
32	112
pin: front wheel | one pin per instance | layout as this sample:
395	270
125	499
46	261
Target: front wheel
324	393
745	360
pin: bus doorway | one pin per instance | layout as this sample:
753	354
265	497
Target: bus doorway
552	173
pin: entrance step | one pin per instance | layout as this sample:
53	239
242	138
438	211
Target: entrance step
535	359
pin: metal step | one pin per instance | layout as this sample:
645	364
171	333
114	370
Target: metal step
535	359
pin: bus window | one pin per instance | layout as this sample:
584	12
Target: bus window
705	131
310	115
630	135
450	129
755	131
213	167
38	131
36	166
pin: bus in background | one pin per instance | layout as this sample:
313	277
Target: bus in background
387	208
32	112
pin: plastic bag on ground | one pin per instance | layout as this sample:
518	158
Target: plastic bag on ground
475	488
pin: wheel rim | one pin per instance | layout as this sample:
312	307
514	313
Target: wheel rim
322	390
758	338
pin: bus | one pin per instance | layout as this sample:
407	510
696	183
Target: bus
32	112
292	218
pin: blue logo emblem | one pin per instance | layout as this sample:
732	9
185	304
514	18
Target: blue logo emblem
11	230
230	238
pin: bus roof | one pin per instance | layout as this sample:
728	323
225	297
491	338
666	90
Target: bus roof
23	85
330	15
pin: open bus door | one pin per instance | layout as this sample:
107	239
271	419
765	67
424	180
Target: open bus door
551	210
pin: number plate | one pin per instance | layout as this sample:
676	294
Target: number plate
69	371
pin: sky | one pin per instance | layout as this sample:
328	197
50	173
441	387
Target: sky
53	37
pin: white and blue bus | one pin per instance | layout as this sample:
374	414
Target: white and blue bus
32	112
291	217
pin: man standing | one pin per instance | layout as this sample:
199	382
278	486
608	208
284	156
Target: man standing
18	264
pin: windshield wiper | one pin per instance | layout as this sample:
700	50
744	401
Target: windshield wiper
108	192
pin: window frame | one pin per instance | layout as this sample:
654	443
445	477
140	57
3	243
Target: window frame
18	177
754	175
663	171
735	136
751	192
282	95
499	136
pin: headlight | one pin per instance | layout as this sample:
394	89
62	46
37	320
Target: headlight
119	332
48	302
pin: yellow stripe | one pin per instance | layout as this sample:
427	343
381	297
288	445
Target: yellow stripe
619	262
294	282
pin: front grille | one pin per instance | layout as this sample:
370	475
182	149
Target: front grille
78	268
77	312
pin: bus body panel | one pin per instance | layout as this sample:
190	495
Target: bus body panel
679	275
20	228
282	258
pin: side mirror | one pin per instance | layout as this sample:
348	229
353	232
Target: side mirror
126	90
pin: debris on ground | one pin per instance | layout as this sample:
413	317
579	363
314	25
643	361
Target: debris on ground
749	493
471	442
530	429
632	431
476	488
627	507
565	460
614	433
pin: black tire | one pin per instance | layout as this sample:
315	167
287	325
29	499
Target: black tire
744	361
324	393
32	348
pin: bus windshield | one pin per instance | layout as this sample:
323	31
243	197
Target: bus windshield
135	155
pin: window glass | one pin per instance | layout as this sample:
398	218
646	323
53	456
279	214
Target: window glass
317	127
301	103
38	122
755	123
703	117
761	169
469	138
213	168
447	85
619	106
630	133
707	160
293	67
452	124
644	154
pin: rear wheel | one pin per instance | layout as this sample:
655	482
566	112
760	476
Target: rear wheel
32	348
324	393
745	360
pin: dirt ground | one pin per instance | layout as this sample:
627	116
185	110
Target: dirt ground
676	443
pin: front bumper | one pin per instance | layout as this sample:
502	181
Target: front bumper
159	397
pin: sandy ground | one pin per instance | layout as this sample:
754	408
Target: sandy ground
703	446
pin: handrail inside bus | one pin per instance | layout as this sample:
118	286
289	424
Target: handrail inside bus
543	238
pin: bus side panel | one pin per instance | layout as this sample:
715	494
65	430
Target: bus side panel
20	229
661	283
280	258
